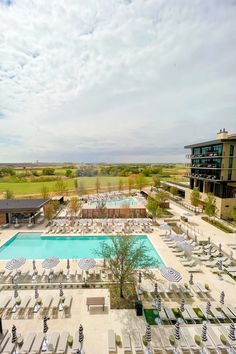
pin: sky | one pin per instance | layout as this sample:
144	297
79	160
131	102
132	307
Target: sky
114	80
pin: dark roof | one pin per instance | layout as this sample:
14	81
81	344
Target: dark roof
22	204
211	142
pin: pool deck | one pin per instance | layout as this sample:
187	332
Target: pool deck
96	322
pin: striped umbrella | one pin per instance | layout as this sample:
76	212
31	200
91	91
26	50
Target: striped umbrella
155	289
68	264
13	334
220	248
36	293
45	324
158	303
220	265
209	240
81	336
16	294
182	303
148	334
177	331
191	279
208	308
204	333
34	265
87	263
170	274
195	238
15	263
140	277
232	332
61	293
50	263
222	297
209	251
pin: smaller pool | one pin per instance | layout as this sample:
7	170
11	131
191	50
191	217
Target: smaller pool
118	202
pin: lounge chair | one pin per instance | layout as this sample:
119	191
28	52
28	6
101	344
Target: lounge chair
3	335
10	307
126	342
163	316
156	342
111	341
24	303
202	288
196	289
227	312
169	313
196	269
4	342
164	335
191	312
204	312
208	343
232	309
216	340
219	315
138	347
67	305
186	316
38	343
76	343
28	343
52	342
10	347
55	305
62	343
46	305
3	303
190	340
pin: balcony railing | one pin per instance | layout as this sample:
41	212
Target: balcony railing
203	176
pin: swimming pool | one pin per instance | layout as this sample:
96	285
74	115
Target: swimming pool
118	202
34	246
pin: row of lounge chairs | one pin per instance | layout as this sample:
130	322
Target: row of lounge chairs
180	289
29	306
160	343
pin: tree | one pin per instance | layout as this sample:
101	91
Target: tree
120	184
49	211
141	181
97	184
161	196
9	194
68	173
173	190
101	209
81	188
61	187
48	171
195	196
131	182
45	192
152	207
156	181
124	256
74	207
210	205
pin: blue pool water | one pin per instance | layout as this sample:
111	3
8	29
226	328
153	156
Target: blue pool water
129	201
34	246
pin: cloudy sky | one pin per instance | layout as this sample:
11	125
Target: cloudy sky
114	80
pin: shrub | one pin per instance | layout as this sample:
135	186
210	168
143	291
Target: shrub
172	340
144	341
70	340
118	340
223	339
197	340
186	285
207	286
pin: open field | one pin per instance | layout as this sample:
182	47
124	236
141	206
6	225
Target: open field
27	188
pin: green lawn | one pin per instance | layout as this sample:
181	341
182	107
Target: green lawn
35	187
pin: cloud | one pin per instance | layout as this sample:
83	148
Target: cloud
115	80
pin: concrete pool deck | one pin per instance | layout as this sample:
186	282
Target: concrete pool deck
96	322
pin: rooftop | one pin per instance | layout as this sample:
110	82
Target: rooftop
221	137
22	204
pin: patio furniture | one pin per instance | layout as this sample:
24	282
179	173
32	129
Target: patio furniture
67	305
52	342
95	301
23	305
169	313
62	343
38	343
111	341
28	343
138	346
216	340
46	305
126	342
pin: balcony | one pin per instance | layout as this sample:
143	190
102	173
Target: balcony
207	155
206	166
203	176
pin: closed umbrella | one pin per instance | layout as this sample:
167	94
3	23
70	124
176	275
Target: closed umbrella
177	331
16	294
170	274
13	334
220	248
208	308
220	265
204	333
232	332
209	240
34	264
222	297
68	264
148	335
155	289
191	279
158	303
140	277
81	337
231	255
61	293
182	303
209	251
45	330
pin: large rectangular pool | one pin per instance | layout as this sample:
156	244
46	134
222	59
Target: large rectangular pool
35	246
117	202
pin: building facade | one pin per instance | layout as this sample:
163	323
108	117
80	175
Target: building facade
213	170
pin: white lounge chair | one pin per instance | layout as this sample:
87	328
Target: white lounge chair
28	343
111	342
62	343
52	342
38	343
76	343
138	346
126	342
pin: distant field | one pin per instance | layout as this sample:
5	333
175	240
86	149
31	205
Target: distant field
25	188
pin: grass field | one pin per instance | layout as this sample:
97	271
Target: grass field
30	188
